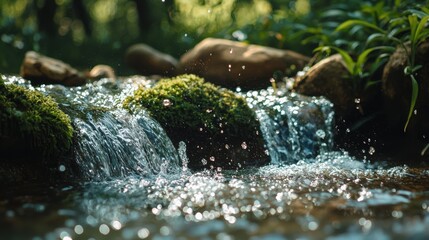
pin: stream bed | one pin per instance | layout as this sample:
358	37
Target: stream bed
136	185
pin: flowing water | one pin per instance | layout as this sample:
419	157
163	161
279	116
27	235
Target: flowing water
137	186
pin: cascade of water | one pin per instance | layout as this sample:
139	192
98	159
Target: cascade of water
110	142
294	127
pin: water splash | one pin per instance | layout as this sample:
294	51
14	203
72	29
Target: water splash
294	127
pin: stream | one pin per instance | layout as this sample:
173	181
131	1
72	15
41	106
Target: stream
136	185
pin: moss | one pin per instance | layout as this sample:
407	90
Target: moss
31	122
215	123
187	102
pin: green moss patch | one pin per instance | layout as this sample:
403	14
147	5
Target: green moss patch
188	102
218	127
32	124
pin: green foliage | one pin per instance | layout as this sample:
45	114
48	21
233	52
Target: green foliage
34	121
408	27
187	102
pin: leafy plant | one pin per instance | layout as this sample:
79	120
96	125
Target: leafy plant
409	28
357	68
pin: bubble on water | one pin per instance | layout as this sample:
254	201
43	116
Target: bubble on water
243	67
244	145
204	161
357	100
230	51
212	158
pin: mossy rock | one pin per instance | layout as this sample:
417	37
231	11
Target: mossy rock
218	127
32	127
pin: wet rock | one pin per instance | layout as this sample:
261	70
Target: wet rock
101	71
331	79
232	64
41	69
149	61
217	126
397	91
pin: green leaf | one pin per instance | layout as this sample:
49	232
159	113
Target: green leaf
364	55
420	33
414	94
350	23
412	20
350	64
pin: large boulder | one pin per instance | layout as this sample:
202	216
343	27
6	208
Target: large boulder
330	78
397	91
234	64
41	69
149	61
218	127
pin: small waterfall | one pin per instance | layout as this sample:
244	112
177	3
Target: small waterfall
294	127
110	142
117	144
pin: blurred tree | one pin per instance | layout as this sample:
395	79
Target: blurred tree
45	14
83	15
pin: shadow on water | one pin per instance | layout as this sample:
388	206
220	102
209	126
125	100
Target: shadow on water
137	187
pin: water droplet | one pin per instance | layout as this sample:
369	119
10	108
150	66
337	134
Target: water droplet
312	226
243	67
78	229
104	229
348	130
371	150
244	145
212	158
320	134
204	161
209	110
397	214
226	146
116	225
164	230
62	168
166	102
143	233
357	100
230	51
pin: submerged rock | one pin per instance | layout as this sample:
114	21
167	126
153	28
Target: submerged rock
397	91
149	61
234	64
218	127
42	69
